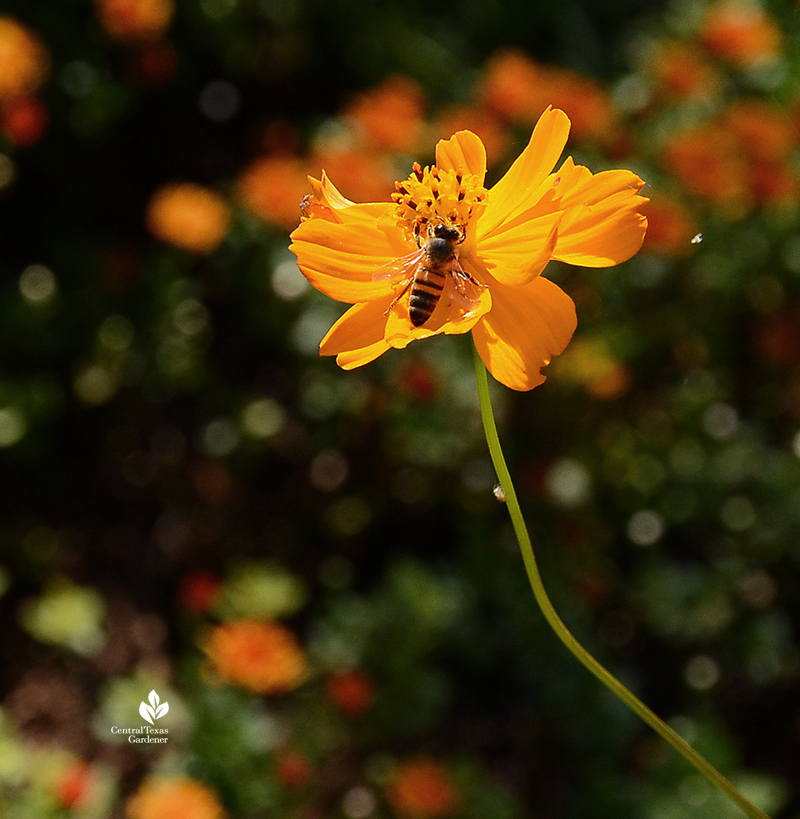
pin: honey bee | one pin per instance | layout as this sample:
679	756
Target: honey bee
425	273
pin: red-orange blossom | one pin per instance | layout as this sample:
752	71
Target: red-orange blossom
512	230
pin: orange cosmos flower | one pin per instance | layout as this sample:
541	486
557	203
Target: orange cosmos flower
422	789
683	71
260	655
134	20
270	185
353	692
670	227
24	61
174	799
188	216
741	32
449	256
391	114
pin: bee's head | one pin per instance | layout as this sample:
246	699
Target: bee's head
444	231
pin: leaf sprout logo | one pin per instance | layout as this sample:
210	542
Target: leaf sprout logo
155	710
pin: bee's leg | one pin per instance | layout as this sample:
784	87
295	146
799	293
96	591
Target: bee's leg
399	296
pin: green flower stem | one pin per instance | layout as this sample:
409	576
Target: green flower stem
563	633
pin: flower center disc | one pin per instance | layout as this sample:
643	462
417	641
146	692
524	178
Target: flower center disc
438	196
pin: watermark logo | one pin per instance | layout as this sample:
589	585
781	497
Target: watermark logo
151	710
155	710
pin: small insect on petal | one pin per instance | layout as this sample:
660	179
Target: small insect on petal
697	238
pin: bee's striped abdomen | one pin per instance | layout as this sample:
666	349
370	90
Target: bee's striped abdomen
426	290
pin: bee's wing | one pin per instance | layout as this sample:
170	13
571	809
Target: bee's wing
466	289
399	270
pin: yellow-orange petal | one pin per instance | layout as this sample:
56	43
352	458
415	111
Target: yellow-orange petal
357	337
526	327
340	259
603	234
327	193
463	152
364	355
517	252
358	327
518	189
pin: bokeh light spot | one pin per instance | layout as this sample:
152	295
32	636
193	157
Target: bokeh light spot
349	516
738	513
12	426
94	385
79	78
645	527
263	418
721	421
701	673
7	171
329	470
38	284
190	317
219	100
288	282
116	333
219	438
359	803
568	483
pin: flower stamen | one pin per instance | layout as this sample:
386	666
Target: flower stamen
436	195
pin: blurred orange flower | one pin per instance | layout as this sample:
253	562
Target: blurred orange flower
510	86
271	186
422	789
518	89
765	132
351	691
260	655
682	71
24	61
741	32
199	590
592	366
708	162
23	120
188	216
391	115
74	786
583	99
367	174
496	242
481	120
670	227
740	159
135	19
174	799
293	768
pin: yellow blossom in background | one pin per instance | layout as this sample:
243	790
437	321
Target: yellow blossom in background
422	789
182	798
24	61
135	19
188	216
261	655
506	236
